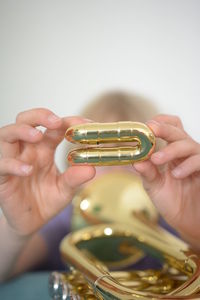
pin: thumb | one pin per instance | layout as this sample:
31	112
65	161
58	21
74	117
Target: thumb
150	175
74	177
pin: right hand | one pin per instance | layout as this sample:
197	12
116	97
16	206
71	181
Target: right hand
32	190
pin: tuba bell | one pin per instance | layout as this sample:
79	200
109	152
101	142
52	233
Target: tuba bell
115	229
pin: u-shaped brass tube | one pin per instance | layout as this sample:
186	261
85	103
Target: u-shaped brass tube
97	134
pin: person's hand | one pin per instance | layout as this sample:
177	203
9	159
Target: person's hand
32	190
172	177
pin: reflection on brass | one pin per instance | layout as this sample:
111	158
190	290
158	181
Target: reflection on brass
179	278
100	254
135	142
114	197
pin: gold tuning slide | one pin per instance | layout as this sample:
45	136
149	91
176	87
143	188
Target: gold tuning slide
127	142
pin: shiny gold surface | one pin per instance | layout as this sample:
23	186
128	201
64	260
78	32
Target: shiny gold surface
178	279
113	197
98	254
140	139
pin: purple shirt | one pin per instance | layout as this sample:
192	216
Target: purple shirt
53	233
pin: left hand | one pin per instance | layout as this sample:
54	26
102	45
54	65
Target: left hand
172	177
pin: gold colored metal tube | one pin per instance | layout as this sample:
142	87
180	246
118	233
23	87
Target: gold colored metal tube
138	134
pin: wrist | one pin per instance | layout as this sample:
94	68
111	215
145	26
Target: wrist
11	245
7	230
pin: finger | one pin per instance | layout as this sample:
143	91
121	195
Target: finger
150	175
75	120
169	119
52	138
39	116
187	167
11	166
74	177
14	132
11	134
167	132
176	150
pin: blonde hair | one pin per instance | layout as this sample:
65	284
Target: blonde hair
116	106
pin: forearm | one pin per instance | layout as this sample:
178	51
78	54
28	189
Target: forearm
11	245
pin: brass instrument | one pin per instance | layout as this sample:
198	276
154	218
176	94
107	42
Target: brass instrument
113	197
135	141
179	277
116	227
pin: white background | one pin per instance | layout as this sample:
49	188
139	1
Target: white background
60	54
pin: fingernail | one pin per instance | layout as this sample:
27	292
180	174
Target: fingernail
26	169
34	132
158	155
176	172
53	118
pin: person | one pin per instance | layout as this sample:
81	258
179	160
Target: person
110	106
32	191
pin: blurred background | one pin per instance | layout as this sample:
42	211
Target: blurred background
60	54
